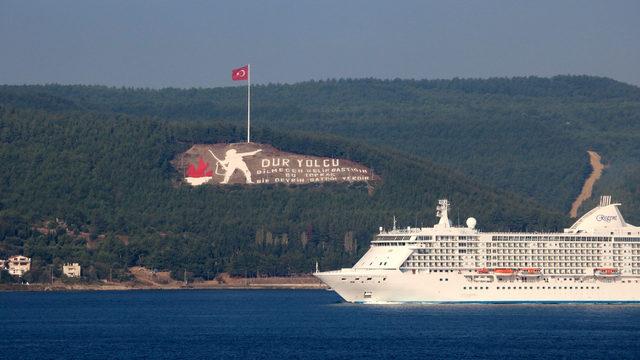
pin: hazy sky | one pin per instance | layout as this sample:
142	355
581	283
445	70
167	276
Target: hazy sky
197	43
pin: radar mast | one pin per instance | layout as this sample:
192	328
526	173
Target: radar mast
442	211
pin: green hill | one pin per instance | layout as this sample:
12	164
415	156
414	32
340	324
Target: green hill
525	135
110	176
510	152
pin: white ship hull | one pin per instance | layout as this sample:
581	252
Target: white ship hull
596	260
405	287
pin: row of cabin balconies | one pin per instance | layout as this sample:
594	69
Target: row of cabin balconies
559	238
545	258
544	251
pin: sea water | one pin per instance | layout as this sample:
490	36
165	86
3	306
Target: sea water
302	324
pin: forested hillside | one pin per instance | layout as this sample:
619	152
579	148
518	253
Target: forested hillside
510	152
526	135
109	178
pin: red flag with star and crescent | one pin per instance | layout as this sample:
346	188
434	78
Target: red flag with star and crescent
240	73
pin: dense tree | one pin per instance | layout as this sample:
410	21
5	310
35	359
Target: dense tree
98	160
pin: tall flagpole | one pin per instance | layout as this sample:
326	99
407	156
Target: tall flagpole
249	103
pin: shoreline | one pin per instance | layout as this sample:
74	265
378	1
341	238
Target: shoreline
227	283
41	288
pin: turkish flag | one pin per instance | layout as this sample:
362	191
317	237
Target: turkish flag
240	73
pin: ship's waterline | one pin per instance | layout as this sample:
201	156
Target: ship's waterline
595	260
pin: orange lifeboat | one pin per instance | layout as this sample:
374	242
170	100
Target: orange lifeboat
504	272
530	272
606	272
482	271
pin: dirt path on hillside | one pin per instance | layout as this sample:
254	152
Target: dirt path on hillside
587	188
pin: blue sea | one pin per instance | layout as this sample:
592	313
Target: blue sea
302	324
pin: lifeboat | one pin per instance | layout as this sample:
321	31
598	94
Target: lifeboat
482	271
530	272
606	272
503	272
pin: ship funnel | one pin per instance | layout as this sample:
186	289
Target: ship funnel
605	218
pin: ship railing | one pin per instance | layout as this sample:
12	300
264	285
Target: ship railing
402	231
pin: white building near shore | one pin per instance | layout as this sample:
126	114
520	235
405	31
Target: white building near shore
71	270
18	265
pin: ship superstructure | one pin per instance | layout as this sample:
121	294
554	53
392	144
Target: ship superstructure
597	259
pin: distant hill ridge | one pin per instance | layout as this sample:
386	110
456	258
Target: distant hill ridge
563	85
528	135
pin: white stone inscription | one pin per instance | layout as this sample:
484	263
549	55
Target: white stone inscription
251	163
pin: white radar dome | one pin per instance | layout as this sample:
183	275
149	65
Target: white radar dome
471	223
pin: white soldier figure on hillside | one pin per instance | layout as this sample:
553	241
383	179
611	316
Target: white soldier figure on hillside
233	160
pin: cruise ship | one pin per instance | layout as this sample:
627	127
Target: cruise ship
597	259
